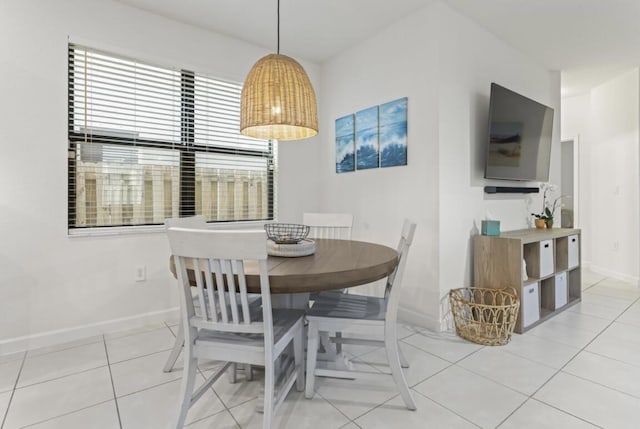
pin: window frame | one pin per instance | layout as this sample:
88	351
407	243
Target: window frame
187	149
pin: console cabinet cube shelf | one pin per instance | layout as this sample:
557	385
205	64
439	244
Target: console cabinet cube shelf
551	258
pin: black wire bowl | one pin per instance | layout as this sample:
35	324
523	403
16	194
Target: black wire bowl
286	233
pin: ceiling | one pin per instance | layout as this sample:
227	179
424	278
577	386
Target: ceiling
590	41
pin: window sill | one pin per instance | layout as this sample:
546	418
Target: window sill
155	229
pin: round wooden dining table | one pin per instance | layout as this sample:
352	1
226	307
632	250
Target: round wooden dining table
336	264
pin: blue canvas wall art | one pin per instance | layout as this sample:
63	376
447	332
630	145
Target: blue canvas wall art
373	137
367	155
345	144
393	133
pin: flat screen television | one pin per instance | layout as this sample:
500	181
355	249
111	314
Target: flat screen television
519	143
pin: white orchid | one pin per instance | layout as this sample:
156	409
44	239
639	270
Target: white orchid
548	207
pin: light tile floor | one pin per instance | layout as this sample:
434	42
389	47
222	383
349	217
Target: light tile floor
580	369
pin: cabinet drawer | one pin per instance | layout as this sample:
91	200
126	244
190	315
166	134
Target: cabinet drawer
573	251
546	258
530	304
561	290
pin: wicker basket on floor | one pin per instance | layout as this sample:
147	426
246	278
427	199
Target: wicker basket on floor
484	315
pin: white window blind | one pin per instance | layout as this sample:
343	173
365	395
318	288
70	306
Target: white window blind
147	143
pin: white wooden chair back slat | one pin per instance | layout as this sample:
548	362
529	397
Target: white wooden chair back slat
242	285
209	293
231	289
217	269
329	225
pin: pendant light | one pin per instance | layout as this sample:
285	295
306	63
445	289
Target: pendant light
278	101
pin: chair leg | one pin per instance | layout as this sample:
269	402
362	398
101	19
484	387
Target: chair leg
327	348
403	360
298	356
269	392
186	389
313	341
248	372
339	345
232	372
175	352
393	356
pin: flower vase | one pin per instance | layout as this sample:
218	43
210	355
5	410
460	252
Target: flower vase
539	223
549	223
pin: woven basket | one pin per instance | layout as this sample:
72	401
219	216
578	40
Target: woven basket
484	315
286	233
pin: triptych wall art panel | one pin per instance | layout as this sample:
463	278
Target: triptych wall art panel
367	155
372	138
345	144
393	133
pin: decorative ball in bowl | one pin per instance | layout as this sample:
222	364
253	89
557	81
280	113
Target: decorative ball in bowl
286	233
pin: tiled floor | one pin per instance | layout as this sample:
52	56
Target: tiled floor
580	369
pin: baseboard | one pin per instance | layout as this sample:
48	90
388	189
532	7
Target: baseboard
60	336
615	275
418	318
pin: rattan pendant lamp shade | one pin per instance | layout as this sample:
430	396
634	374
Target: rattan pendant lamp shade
278	101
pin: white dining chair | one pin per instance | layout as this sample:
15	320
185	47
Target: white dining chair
361	315
196	222
228	328
199	222
333	226
329	225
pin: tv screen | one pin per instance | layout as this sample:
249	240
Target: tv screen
520	129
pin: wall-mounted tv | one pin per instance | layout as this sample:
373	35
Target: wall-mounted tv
519	143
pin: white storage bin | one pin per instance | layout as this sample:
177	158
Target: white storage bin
573	258
546	258
561	290
530	304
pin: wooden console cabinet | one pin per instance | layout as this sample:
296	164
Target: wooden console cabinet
551	258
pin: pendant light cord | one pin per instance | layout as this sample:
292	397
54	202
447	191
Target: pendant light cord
278	52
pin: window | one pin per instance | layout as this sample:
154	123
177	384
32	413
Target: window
147	143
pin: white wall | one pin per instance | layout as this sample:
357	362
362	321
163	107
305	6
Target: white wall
399	62
607	121
471	59
614	122
444	64
575	120
49	281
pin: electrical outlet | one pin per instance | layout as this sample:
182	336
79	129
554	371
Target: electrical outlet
616	246
141	273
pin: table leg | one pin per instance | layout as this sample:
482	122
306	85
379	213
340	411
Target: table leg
298	301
